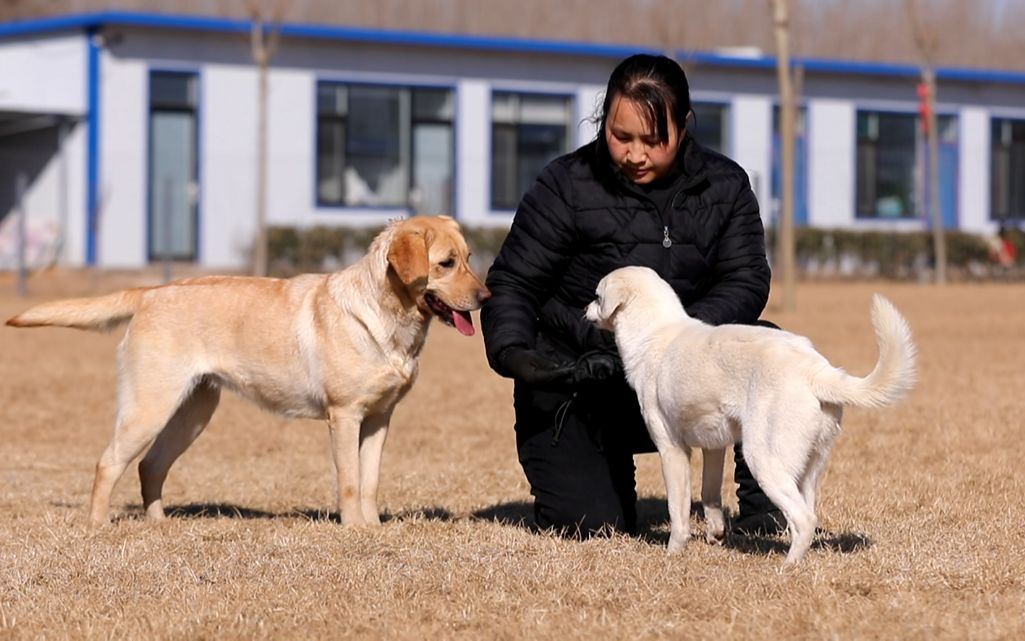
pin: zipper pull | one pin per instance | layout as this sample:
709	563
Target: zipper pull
666	242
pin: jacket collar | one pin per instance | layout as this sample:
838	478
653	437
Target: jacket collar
691	159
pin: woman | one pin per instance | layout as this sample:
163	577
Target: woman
644	192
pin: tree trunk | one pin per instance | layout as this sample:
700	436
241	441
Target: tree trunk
785	260
260	243
939	244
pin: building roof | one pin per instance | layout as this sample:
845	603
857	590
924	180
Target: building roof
950	33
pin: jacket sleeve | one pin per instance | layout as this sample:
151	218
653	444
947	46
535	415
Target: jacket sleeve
528	266
741	275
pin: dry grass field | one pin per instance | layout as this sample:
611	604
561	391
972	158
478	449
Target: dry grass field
922	509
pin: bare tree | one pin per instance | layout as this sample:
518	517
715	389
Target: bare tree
266	16
785	247
926	43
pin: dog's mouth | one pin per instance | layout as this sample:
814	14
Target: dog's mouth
452	317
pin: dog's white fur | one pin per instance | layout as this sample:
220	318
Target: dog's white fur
712	386
342	347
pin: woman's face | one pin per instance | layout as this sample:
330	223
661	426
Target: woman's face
634	146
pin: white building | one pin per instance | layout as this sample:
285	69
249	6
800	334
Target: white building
136	134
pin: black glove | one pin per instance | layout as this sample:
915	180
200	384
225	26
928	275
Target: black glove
596	367
534	368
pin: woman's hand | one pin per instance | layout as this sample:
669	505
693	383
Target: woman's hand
534	368
596	367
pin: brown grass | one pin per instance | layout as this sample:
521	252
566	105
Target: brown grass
922	507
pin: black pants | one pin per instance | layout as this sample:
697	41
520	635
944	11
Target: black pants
579	463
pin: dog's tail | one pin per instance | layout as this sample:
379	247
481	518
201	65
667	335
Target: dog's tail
101	313
894	373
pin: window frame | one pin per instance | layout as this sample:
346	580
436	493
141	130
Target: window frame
918	200
405	91
515	124
192	109
1010	215
725	143
914	206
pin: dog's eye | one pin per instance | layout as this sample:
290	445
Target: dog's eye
448	263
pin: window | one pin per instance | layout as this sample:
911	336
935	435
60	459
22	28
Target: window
385	146
1007	175
711	125
527	132
891	162
886	165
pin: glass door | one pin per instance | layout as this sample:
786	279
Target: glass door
173	176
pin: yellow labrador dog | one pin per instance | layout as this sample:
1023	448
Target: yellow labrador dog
710	387
342	347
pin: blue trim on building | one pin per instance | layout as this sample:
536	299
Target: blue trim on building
463	41
493	43
101	19
92	145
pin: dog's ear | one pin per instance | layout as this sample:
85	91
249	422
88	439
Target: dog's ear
609	306
611	300
408	256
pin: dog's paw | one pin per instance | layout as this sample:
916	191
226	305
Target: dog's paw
715	526
678	543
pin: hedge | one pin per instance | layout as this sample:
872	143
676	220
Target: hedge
821	253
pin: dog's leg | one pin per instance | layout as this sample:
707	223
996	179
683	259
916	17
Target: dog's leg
819	455
800	520
344	423
676	475
711	494
183	428
373	433
775	478
146	407
809	482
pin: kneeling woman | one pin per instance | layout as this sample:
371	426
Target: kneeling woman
644	192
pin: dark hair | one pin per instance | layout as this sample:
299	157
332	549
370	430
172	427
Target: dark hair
658	85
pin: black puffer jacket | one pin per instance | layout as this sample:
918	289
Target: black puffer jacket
570	231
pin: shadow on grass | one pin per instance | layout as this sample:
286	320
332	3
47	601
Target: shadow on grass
652	523
231	511
651	513
514	513
836	542
653	528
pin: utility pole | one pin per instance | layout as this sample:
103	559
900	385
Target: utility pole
785	247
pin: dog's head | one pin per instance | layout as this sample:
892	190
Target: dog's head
616	291
431	259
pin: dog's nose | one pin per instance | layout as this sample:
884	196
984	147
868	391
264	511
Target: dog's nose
483	294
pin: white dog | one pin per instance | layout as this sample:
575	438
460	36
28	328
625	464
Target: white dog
710	387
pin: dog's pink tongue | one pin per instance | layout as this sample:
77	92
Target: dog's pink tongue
463	322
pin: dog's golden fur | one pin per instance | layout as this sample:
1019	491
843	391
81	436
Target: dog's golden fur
710	387
342	347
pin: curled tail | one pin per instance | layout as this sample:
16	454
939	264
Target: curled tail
894	373
101	313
